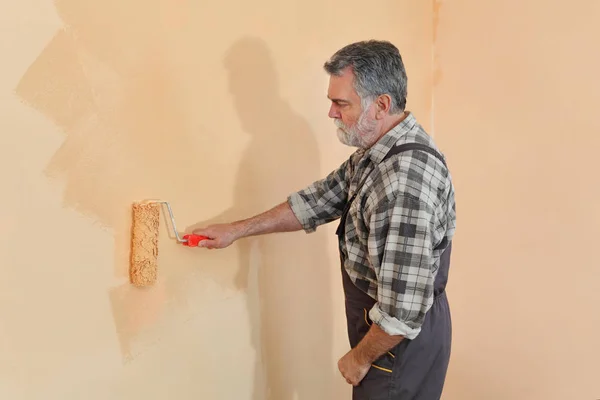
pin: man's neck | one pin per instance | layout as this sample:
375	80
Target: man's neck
390	123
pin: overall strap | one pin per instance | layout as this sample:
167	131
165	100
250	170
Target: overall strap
414	146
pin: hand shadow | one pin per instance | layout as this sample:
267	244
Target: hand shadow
289	306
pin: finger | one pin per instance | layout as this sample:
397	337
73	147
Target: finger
201	232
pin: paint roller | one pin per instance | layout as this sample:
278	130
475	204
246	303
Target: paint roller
144	241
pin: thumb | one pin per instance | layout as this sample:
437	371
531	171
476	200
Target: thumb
207	243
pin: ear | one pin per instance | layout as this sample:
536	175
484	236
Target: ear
383	104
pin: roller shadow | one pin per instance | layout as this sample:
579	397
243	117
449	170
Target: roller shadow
290	304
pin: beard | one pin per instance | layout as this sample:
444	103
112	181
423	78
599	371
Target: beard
360	134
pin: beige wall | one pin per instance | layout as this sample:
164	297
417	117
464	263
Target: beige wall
96	114
103	103
516	100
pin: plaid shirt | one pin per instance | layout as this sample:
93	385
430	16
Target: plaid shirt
403	211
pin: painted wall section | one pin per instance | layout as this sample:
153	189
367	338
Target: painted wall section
219	108
516	111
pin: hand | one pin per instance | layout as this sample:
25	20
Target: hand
352	369
220	235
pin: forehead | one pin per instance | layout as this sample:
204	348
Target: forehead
342	87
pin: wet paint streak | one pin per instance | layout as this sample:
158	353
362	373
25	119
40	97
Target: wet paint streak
107	82
56	85
133	310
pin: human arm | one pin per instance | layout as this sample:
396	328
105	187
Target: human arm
319	203
323	201
357	362
375	344
280	218
401	237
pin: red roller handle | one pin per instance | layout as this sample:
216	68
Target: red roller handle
193	240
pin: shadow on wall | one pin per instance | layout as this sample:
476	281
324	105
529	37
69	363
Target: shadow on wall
290	305
110	83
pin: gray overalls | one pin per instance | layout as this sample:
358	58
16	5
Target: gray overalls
414	369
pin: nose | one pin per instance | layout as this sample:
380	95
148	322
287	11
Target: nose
334	112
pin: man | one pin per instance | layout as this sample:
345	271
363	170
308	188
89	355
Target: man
394	199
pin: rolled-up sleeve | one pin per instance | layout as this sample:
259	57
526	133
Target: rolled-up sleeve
400	233
322	201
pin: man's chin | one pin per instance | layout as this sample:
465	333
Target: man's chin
346	139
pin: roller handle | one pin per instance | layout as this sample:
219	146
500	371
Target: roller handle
193	240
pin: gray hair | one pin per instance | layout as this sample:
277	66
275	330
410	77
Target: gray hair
378	69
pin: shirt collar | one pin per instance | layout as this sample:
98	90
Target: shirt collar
379	150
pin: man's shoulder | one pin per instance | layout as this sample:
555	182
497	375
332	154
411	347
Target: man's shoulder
405	157
413	173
